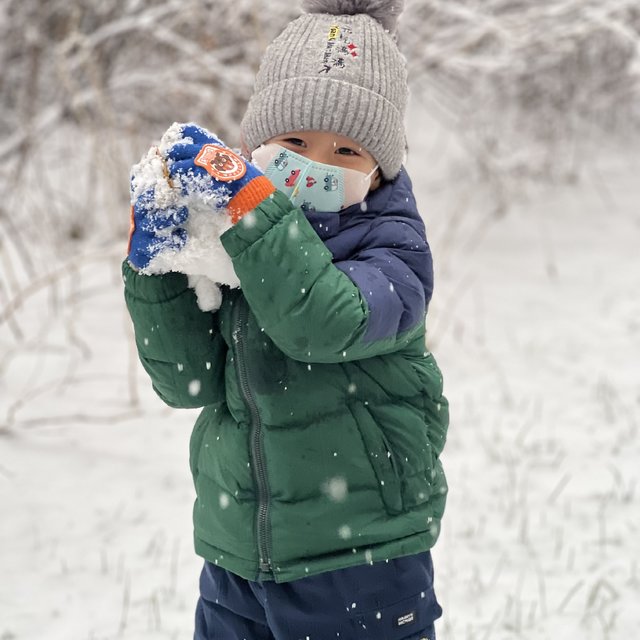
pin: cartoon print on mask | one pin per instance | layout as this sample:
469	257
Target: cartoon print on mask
307	207
311	185
281	161
293	176
330	182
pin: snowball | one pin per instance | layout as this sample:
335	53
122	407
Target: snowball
203	253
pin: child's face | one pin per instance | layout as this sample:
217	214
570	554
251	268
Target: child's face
329	148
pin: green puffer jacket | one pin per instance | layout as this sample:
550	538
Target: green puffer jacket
318	445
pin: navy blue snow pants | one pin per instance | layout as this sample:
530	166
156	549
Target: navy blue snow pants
389	600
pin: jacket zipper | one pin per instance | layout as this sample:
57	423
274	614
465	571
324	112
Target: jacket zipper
257	453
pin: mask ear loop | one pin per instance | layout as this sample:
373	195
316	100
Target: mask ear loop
368	175
373	171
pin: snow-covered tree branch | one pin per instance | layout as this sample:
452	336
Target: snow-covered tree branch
523	78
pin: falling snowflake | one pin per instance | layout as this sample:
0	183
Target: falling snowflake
336	488
249	220
294	230
344	531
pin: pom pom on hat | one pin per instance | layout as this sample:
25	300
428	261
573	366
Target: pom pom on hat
386	12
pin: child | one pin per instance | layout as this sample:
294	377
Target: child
316	456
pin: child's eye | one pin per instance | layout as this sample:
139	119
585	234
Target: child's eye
297	142
346	151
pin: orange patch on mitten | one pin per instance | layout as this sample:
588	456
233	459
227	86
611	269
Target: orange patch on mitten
221	163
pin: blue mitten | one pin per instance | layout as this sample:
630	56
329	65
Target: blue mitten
207	164
154	231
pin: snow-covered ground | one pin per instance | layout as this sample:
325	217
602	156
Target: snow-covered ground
536	325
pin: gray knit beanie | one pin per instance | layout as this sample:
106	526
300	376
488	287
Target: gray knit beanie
335	68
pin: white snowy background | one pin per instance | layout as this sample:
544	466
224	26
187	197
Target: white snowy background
524	151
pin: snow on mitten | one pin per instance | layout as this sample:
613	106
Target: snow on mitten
208	293
153	232
162	228
204	165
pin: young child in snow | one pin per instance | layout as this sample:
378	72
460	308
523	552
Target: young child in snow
316	455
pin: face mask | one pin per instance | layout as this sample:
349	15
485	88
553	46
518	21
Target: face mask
312	186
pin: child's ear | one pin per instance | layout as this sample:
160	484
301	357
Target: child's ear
376	181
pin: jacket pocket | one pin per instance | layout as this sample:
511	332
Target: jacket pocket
406	435
381	457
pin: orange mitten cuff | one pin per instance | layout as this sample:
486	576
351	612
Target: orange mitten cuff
249	197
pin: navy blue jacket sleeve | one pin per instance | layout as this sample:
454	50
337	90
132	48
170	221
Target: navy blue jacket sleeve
394	273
